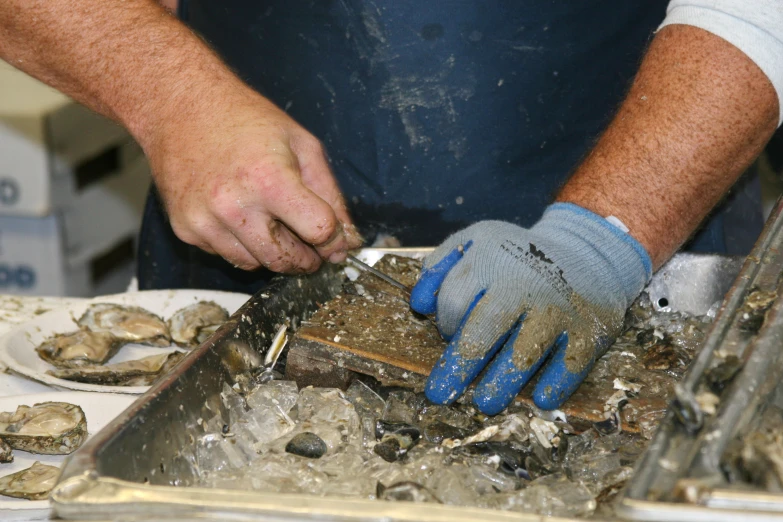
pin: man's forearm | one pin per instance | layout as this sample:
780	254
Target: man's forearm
698	113
131	61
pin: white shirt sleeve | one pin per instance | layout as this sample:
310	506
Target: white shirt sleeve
755	27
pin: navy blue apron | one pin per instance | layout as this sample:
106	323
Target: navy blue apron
434	114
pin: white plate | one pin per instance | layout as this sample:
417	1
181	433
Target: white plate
99	408
17	347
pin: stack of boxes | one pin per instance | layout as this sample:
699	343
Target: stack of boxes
72	190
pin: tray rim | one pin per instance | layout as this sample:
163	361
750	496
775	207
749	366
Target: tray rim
73	497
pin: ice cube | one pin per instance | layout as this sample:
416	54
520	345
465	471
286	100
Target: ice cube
368	432
553	495
348	487
263	425
340	466
214	453
282	394
449	484
397	410
215	424
283	473
364	400
233	404
183	468
327	405
591	469
486	480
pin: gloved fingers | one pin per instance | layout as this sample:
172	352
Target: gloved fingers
567	368
523	354
424	295
456	241
488	323
455	297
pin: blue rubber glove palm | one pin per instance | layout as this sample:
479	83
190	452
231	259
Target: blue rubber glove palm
512	299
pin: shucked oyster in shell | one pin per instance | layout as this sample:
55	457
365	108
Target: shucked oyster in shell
33	483
140	372
79	349
130	323
50	428
194	324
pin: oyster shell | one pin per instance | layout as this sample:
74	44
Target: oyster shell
79	349
193	324
129	323
139	372
5	452
50	428
33	483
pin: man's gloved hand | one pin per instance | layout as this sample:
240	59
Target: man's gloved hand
510	298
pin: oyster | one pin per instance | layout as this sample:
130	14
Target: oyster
51	428
194	324
139	372
753	311
129	323
5	452
79	349
33	483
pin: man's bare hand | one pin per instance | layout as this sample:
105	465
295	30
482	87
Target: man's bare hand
241	179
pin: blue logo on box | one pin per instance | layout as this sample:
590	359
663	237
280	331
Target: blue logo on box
9	191
21	276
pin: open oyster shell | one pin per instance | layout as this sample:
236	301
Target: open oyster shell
5	452
33	483
50	428
79	348
194	324
129	323
140	372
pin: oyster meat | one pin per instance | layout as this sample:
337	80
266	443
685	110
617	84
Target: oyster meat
50	428
79	349
5	452
130	323
139	372
194	324
33	483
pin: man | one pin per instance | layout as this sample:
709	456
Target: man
435	115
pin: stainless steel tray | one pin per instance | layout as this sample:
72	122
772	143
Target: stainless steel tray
132	468
679	477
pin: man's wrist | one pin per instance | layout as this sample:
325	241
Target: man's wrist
599	232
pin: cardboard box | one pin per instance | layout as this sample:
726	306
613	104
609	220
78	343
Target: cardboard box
82	250
51	148
33	261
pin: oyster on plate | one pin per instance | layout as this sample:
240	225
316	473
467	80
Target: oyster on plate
139	372
132	324
50	428
33	483
194	324
79	349
5	452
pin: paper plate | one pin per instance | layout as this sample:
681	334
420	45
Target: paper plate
99	408
17	347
